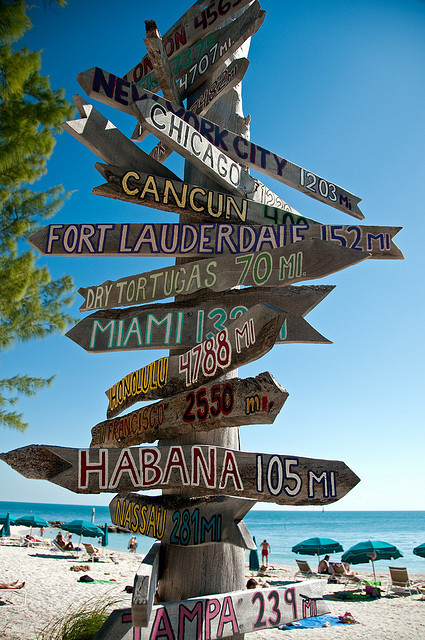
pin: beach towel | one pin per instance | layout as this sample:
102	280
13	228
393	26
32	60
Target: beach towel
349	595
90	580
318	621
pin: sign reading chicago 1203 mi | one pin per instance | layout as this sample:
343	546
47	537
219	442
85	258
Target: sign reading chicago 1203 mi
244	340
186	522
278	478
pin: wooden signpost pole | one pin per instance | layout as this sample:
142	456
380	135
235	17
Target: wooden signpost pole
179	580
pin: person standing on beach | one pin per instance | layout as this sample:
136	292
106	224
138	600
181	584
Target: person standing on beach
265	550
132	545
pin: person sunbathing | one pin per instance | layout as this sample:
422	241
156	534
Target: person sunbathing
12	585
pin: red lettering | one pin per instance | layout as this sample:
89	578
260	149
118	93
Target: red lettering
85	468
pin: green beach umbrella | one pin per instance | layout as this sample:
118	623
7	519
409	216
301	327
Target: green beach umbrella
5	532
3	517
105	537
254	563
317	547
369	551
420	550
32	521
83	528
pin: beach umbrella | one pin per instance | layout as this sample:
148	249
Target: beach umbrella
3	517
317	546
6	527
32	521
105	537
254	563
83	528
420	550
369	551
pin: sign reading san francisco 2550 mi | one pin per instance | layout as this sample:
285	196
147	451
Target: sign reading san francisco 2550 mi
282	479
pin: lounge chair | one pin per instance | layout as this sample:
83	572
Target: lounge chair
304	570
68	552
401	583
343	577
95	554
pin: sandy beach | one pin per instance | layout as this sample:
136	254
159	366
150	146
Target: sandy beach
53	589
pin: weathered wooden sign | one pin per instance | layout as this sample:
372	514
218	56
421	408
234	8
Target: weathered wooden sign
245	339
187	522
203	240
277	478
102	137
116	92
144	586
209	53
184	324
198	203
212	406
112	90
196	23
186	140
160	62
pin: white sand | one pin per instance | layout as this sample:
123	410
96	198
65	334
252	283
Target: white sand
52	589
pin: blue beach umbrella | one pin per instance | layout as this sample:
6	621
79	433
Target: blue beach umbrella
254	563
3	517
317	547
105	537
83	528
6	527
369	551
420	550
32	521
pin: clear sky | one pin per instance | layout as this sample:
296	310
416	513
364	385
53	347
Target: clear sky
337	87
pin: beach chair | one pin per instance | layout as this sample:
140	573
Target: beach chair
68	552
304	570
96	556
401	583
343	577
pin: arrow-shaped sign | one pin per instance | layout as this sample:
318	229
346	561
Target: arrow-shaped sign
277	478
203	240
144	587
103	138
125	96
198	203
244	340
187	522
196	23
184	324
215	405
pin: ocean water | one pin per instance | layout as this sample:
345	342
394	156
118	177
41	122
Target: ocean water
282	529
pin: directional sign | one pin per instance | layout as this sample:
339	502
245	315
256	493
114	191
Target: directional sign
127	97
187	522
144	586
118	93
184	324
277	478
208	54
196	23
203	240
102	137
215	405
186	140
160	63
197	203
244	340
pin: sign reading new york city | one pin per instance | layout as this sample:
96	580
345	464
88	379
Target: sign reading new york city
187	522
244	340
211	470
203	240
212	406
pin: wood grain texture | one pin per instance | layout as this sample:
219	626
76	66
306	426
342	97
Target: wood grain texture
203	240
160	63
197	203
194	24
144	587
102	137
245	339
205	469
186	522
216	405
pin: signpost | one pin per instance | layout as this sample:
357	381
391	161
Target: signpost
201	240
212	406
187	522
244	340
144	587
206	469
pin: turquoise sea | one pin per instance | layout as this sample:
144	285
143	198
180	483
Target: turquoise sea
282	529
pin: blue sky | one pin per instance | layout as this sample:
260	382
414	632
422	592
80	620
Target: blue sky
338	88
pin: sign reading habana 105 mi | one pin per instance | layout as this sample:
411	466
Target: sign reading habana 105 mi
278	478
212	406
203	240
187	522
244	340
